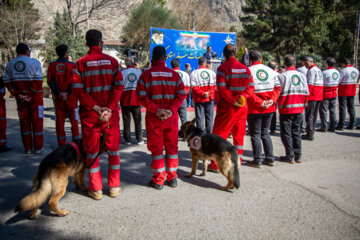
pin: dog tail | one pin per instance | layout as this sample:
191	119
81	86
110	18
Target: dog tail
235	176
41	191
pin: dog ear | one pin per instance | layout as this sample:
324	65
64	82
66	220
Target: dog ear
193	121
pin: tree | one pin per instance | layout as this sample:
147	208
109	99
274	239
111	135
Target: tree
80	10
136	32
285	27
18	23
187	14
61	33
342	28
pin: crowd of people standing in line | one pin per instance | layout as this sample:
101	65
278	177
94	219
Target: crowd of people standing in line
242	94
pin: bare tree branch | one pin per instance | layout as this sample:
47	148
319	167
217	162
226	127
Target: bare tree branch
78	13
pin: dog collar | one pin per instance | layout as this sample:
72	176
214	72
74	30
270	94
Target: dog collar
75	146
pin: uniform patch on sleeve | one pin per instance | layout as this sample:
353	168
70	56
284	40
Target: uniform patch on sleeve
238	70
98	63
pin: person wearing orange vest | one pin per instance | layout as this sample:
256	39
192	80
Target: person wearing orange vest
59	80
261	107
203	81
175	65
161	92
349	77
98	84
129	102
23	79
316	89
3	146
331	82
291	103
235	85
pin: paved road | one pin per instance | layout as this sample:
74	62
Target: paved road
317	199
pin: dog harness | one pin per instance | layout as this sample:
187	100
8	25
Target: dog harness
75	146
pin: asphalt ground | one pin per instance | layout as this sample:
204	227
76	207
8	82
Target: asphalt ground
316	199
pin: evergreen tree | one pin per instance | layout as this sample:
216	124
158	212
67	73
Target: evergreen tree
285	27
61	33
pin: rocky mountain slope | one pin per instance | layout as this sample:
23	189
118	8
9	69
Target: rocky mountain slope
112	18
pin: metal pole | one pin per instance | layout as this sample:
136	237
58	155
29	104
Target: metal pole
87	15
357	42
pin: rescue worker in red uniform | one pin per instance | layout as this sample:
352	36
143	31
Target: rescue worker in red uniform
59	80
161	92
235	85
3	146
261	107
23	79
98	84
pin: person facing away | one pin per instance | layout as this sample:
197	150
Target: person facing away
349	77
331	82
161	92
23	79
235	85
59	80
98	85
203	81
293	98
130	104
182	111
261	107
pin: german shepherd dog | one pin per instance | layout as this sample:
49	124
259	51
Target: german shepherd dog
211	146
51	178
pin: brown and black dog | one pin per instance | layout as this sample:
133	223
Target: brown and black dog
207	146
51	178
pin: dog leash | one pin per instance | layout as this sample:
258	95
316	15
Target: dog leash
101	144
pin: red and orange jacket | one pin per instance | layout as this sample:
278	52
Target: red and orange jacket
348	79
315	83
23	75
234	79
59	75
129	97
331	82
267	87
203	80
294	92
160	88
97	80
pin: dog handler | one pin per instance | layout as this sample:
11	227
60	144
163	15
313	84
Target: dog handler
98	84
59	80
23	79
161	92
235	84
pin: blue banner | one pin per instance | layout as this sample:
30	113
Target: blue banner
189	46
